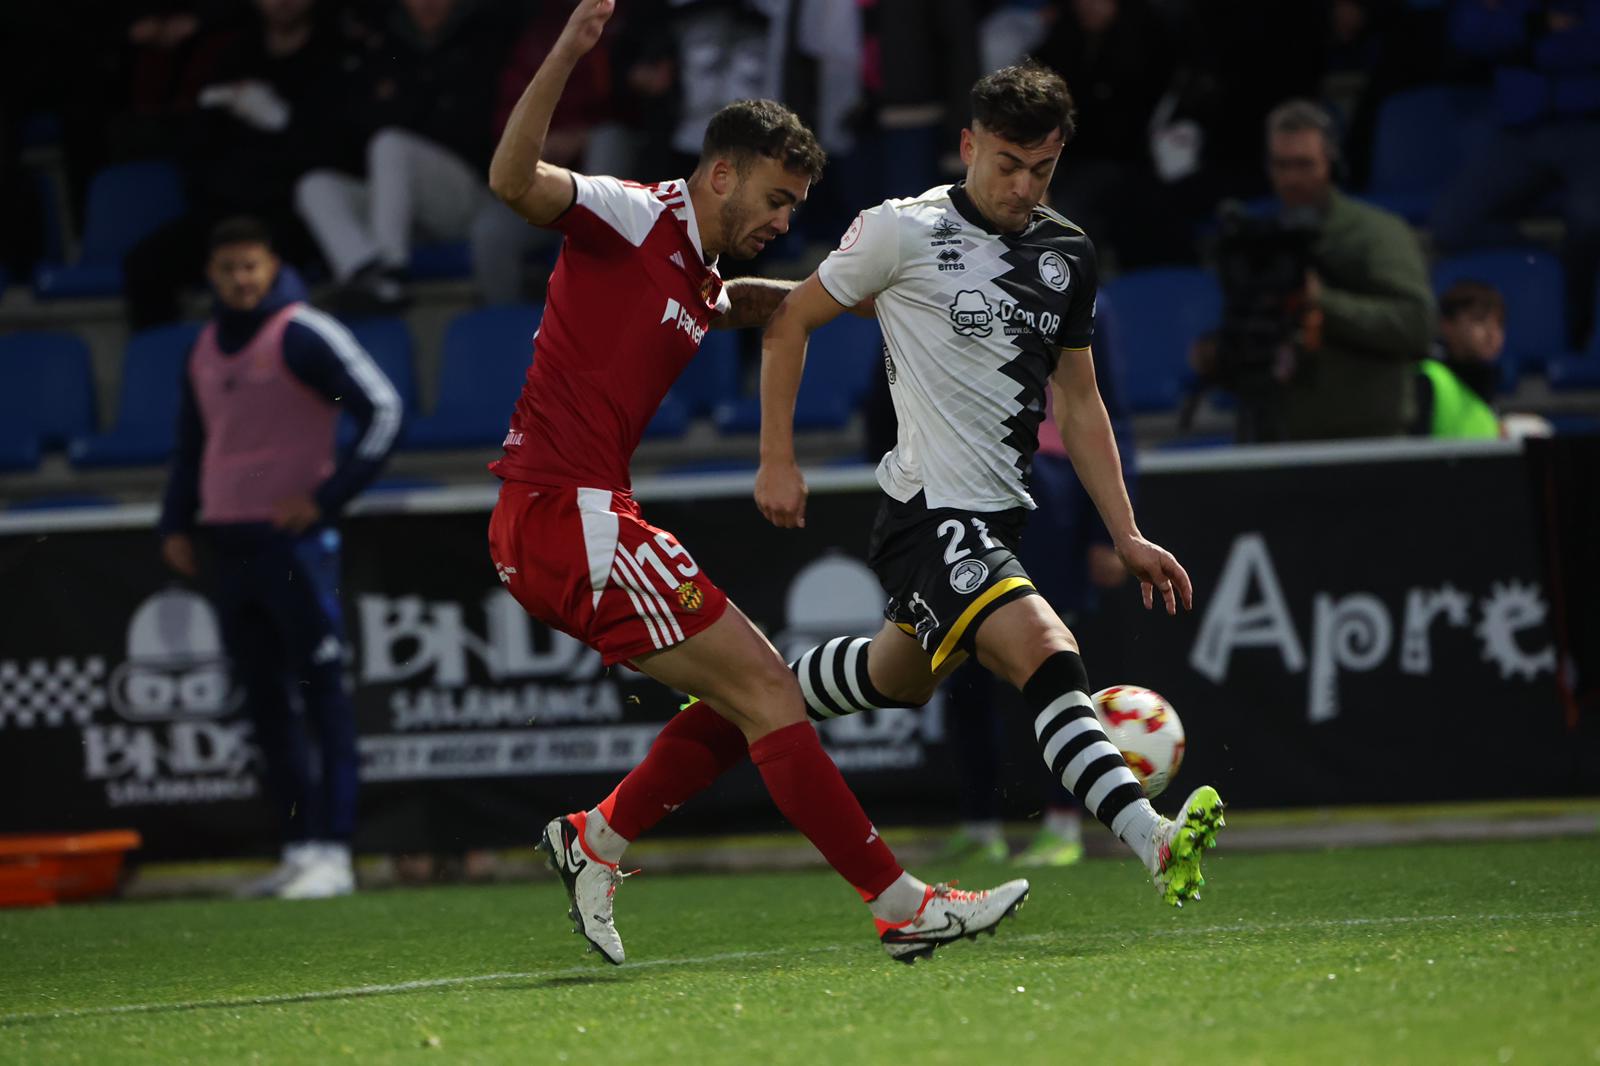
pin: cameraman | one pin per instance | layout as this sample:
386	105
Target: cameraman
1363	314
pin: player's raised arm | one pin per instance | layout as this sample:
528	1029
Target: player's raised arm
780	487
536	190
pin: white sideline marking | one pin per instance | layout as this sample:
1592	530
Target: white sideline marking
360	991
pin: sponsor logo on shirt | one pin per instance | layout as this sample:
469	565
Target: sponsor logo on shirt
950	259
972	315
679	317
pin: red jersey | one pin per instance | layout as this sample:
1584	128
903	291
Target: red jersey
629	302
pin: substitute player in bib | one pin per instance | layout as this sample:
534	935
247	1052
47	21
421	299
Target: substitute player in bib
633	292
985	299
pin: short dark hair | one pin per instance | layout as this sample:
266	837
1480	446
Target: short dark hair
1024	103
240	229
1298	115
747	128
1472	297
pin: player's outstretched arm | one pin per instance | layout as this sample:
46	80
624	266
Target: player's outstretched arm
780	487
536	190
752	302
1086	433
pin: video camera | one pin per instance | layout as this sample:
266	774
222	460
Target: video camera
1262	262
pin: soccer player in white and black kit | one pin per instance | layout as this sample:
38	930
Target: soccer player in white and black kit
985	298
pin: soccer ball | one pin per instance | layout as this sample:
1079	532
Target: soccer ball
1146	729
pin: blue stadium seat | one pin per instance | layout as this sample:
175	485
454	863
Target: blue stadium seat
126	203
147	407
840	362
1534	288
1579	370
444	261
388	341
46	394
1422	138
483	363
670	421
63	502
712	376
1160	314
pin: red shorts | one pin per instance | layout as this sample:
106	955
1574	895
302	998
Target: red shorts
585	562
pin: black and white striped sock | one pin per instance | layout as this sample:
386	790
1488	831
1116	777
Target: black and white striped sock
833	676
1077	751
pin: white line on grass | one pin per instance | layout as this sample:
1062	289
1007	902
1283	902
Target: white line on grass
361	991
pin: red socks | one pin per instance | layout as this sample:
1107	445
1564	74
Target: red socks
694	749
698	746
811	793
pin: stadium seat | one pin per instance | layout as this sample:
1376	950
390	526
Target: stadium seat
388	341
1534	287
670	421
483	362
126	203
147	406
444	261
64	502
840	362
46	394
712	376
1160	314
1422	137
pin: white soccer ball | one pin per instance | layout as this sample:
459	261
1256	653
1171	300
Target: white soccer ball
1147	731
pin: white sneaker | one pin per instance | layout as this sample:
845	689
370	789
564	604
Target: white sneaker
1177	846
947	914
591	884
330	872
295	856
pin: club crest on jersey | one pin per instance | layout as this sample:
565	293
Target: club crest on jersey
968	575
944	230
690	598
852	234
971	314
1053	271
678	317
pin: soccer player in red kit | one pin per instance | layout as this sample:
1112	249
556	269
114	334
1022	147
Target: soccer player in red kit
633	292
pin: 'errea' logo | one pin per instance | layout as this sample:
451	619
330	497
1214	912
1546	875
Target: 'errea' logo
680	318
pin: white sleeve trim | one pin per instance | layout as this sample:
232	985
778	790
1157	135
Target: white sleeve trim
385	425
631	210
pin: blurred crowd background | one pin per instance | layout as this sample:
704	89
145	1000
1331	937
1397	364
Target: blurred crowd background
1242	291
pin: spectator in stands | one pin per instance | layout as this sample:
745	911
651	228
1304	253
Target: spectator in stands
1456	384
1547	101
501	239
421	90
256	130
254	473
1367	291
1116	57
929	56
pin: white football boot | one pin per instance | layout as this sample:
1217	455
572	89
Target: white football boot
591	884
947	914
1177	846
327	873
295	856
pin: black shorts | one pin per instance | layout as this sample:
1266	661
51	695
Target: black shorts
946	569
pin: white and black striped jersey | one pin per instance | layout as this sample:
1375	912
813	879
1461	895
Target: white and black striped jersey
973	322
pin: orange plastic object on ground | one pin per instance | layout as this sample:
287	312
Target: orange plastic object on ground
39	870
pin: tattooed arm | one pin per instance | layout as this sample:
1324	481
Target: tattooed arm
754	300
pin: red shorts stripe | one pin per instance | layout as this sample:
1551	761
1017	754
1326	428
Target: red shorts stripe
585	561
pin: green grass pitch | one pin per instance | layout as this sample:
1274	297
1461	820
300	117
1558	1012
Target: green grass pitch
1480	953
